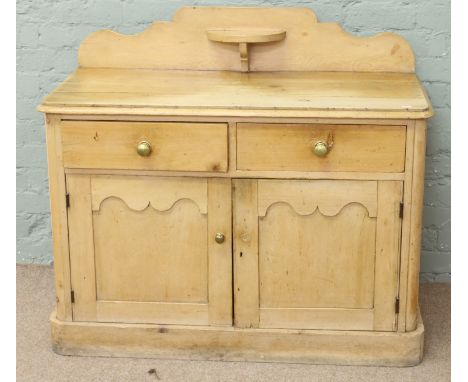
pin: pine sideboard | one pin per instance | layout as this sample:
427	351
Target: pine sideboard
239	184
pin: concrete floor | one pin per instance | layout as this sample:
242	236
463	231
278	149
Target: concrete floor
36	361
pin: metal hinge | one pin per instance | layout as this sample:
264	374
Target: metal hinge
397	305
67	200
401	210
72	296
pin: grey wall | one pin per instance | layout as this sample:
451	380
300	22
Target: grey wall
49	33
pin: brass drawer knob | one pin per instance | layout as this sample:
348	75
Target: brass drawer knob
144	148
321	149
219	238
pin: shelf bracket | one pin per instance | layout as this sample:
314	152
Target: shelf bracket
244	56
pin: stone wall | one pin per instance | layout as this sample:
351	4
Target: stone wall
49	33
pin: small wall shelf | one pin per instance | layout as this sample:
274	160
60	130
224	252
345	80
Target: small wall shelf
243	37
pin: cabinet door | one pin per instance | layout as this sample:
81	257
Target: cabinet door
319	254
143	249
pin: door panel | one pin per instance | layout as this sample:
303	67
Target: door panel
324	262
142	250
326	254
173	249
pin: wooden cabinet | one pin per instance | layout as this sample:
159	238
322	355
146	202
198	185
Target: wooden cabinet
203	212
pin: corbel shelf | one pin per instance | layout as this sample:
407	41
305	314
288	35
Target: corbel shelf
244	37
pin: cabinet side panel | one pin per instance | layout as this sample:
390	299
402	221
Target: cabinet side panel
220	254
416	225
406	226
246	294
58	212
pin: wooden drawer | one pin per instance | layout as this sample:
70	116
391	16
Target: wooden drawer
366	148
175	146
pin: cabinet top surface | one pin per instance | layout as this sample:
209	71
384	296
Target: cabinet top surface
225	93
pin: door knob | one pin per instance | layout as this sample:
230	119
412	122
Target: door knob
219	238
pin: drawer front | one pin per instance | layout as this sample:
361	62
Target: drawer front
366	148
174	146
